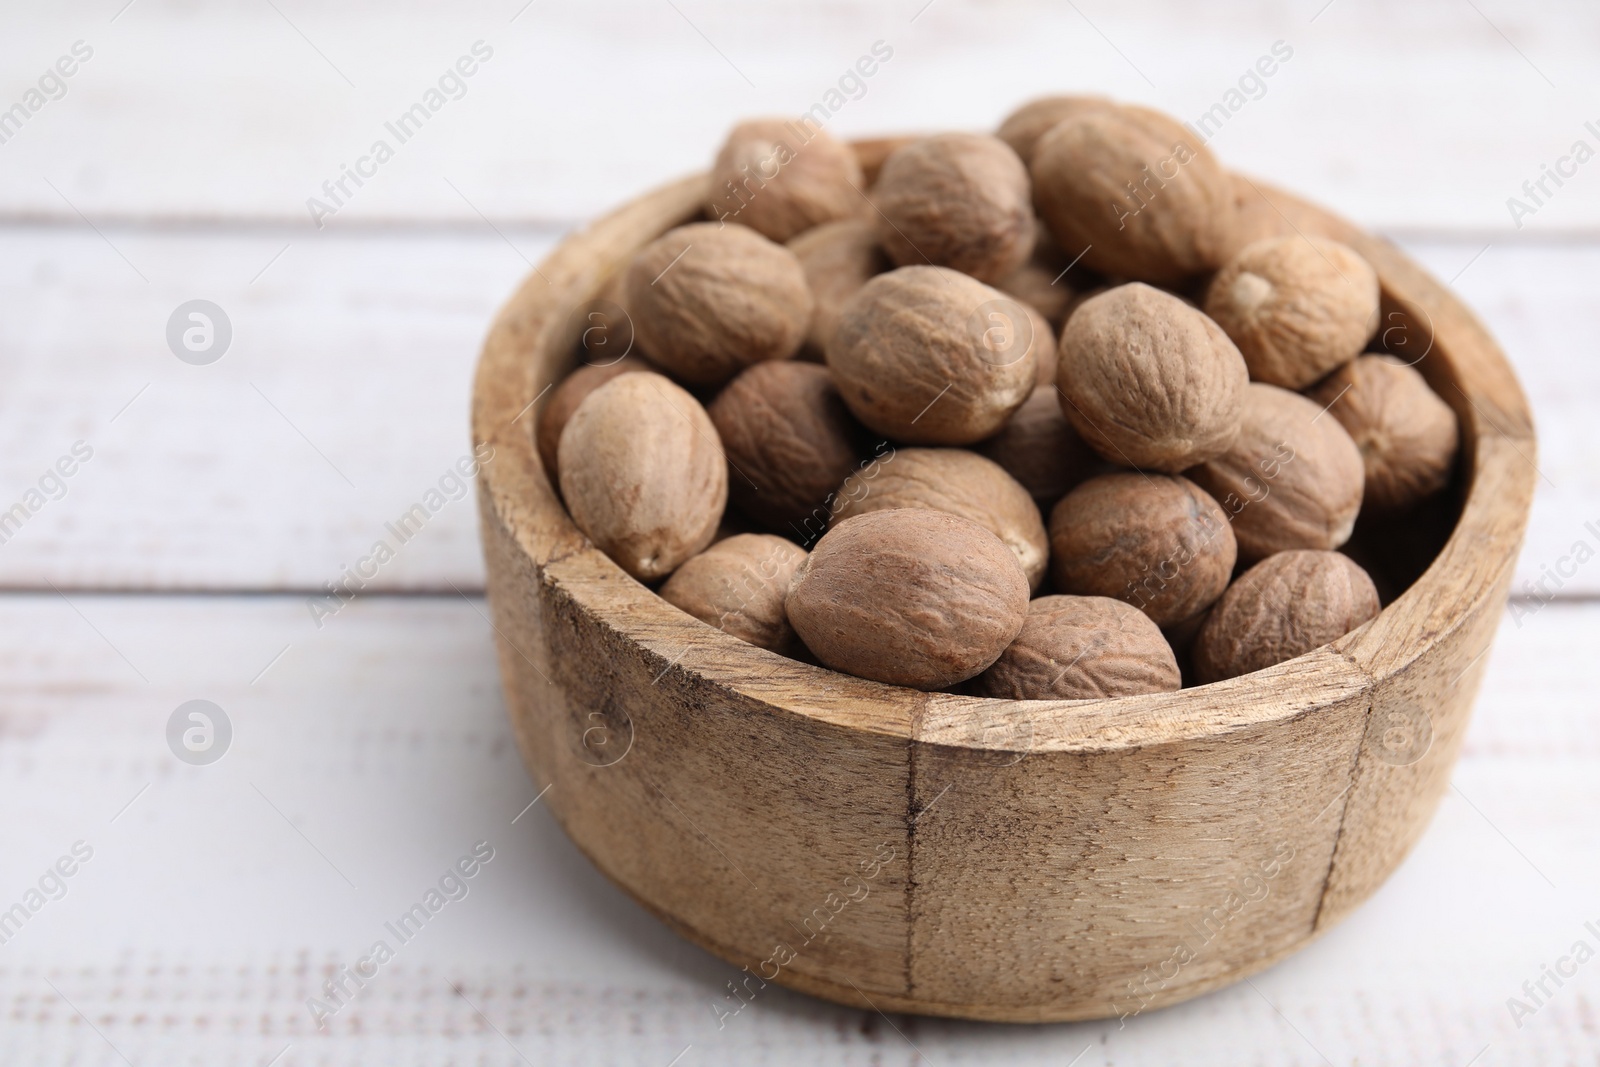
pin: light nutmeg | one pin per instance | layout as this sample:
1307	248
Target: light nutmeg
789	440
1283	607
838	259
1297	307
781	177
709	300
1158	542
564	400
1407	435
1080	648
961	483
913	358
738	586
1148	381
1136	192
1024	126
958	200
909	597
642	473
1292	478
1040	449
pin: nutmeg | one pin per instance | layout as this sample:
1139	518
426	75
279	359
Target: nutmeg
1136	192
1045	282
564	400
1283	607
1157	541
1080	648
789	440
910	597
1254	217
781	177
1024	126
1297	307
1148	381
838	259
1292	478
958	200
961	483
738	586
709	300
912	357
643	474
1040	449
1407	435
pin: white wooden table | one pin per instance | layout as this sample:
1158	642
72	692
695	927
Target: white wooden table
367	755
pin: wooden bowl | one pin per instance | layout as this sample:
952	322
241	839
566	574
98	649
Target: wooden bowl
1020	861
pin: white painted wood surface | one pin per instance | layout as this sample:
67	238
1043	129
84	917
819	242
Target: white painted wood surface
372	752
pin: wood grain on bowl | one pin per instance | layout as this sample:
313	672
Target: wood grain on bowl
960	856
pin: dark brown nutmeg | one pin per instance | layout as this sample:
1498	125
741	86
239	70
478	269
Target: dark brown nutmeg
909	597
1283	607
738	585
1158	542
781	177
1040	449
709	300
1079	648
958	200
838	259
789	440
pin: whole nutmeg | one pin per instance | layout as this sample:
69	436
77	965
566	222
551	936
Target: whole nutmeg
961	483
1297	307
1043	282
1254	217
789	440
912	357
1024	126
910	597
642	473
1283	607
1136	192
1041	450
957	200
780	177
1080	648
1157	541
838	259
1408	437
1292	478
1149	381
738	586
709	300
564	400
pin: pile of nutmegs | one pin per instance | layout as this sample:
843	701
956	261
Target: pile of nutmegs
864	364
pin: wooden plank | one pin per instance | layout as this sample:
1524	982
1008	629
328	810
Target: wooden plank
1405	115
366	343
206	918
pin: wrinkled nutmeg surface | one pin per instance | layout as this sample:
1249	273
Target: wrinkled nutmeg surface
1024	126
789	440
909	597
643	474
1135	192
564	400
738	586
1283	607
838	259
709	300
1148	381
780	177
961	483
1407	435
1040	449
1158	542
1297	307
1292	478
958	200
918	357
1079	648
